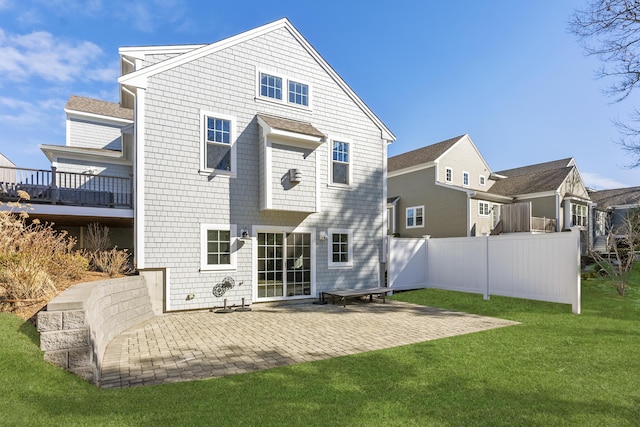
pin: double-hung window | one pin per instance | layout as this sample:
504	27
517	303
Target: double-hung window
217	247
340	248
415	217
578	215
482	180
218	143
340	163
483	209
448	175
465	179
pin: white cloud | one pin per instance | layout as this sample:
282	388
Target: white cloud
18	112
599	182
41	55
5	4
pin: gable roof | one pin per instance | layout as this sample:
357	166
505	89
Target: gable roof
423	155
616	197
97	107
536	182
539	167
139	78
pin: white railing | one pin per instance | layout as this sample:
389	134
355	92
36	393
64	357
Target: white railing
542	267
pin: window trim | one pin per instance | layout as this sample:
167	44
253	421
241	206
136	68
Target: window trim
203	144
482	180
466	175
286	79
574	215
406	216
488	210
233	242
330	263
448	177
332	184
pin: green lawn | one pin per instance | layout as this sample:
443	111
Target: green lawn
556	368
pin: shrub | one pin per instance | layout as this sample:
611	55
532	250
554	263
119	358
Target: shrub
97	238
112	262
34	256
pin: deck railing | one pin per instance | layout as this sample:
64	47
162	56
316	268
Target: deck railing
66	188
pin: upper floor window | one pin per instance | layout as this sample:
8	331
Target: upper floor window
483	208
340	163
482	180
280	88
270	86
448	175
218	142
298	93
465	179
415	216
578	215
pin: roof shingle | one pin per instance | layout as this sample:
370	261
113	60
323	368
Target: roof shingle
291	125
421	155
547	180
96	106
616	197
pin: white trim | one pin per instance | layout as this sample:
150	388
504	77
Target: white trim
482	180
111	120
448	169
465	173
480	214
167	291
204	114
417	168
406	216
255	229
330	263
139	52
351	156
286	79
233	242
75	211
53	152
317	172
286	137
140	78
139	209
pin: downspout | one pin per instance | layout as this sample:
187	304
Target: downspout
138	161
470	194
385	240
557	211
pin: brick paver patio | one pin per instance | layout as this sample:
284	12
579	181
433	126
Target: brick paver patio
197	345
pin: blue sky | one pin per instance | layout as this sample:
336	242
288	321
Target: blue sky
505	72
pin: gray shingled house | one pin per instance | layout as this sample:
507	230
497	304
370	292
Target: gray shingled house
609	210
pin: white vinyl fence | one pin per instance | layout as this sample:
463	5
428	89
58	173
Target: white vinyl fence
542	267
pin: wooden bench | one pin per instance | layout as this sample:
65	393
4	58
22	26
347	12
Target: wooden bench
343	294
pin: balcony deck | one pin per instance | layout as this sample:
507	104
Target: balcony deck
66	188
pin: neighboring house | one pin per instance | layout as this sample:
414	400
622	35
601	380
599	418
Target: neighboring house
555	191
90	179
442	190
448	190
7	172
609	211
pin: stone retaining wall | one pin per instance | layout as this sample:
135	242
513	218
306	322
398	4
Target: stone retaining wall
80	322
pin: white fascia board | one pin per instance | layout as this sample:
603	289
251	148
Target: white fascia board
470	193
412	169
76	211
98	117
481	195
139	78
53	152
450	148
139	52
535	195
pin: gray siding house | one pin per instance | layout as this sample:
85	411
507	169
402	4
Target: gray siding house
259	174
441	190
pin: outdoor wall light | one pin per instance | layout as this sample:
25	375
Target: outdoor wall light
323	235
244	234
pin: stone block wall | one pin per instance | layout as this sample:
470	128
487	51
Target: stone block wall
79	324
